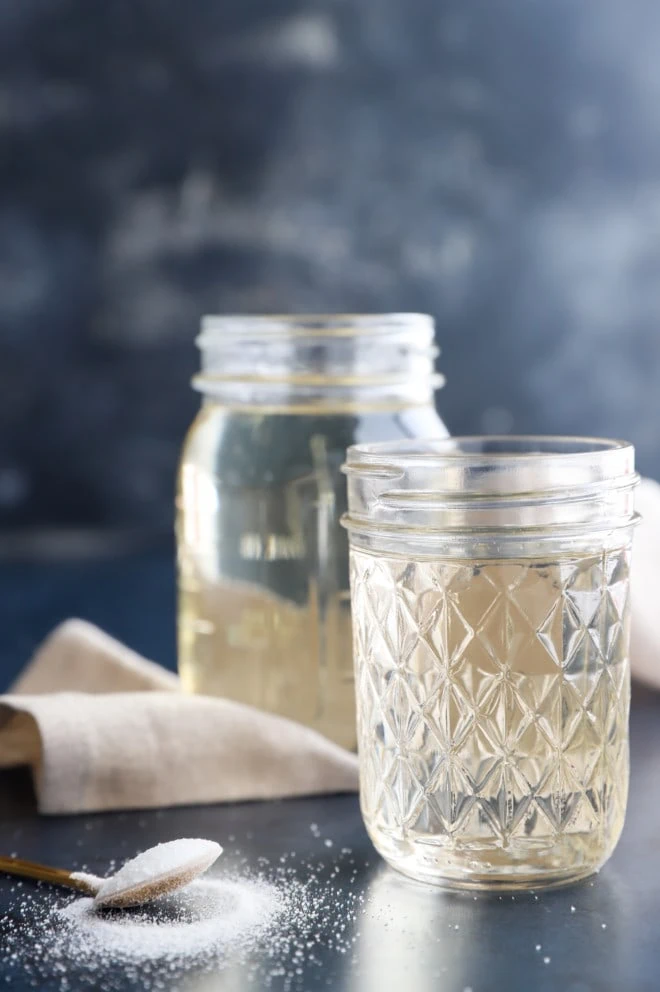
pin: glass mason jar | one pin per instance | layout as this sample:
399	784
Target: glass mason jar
490	590
264	606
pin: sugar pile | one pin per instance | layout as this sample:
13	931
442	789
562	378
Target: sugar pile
274	925
204	918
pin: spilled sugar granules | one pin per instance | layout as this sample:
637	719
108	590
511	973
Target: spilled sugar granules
207	916
272	925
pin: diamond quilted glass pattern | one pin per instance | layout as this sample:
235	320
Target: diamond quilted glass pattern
493	712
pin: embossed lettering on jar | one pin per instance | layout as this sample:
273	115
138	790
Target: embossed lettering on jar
490	586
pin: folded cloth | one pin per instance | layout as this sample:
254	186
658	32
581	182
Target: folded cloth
103	728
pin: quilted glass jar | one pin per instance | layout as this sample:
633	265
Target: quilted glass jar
490	592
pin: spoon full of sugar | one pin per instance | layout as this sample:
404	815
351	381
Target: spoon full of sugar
154	873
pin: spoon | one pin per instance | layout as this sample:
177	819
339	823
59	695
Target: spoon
154	873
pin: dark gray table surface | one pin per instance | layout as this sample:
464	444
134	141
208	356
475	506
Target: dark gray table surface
403	936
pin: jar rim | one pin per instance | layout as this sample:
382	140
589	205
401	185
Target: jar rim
495	465
493	483
312	325
479	448
285	360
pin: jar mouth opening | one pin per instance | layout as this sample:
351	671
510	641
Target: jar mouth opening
491	483
336	325
282	359
498	465
478	449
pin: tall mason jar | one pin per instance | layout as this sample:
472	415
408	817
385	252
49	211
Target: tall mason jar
490	588
264	603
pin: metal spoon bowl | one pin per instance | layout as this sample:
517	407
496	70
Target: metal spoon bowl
152	874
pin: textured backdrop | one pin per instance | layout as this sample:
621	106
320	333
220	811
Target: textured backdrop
493	162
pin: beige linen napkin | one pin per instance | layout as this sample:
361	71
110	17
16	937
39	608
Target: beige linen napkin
103	728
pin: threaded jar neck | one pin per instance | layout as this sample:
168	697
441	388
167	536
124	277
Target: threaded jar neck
497	496
329	360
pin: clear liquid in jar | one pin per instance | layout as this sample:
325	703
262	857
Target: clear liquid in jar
264	602
493	703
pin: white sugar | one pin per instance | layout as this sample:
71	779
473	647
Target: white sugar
206	916
160	862
274	926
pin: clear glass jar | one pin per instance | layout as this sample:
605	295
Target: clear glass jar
490	590
264	606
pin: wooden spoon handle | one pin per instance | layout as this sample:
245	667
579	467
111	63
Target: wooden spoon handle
43	873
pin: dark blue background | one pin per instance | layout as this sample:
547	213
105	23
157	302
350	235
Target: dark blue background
130	596
493	162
